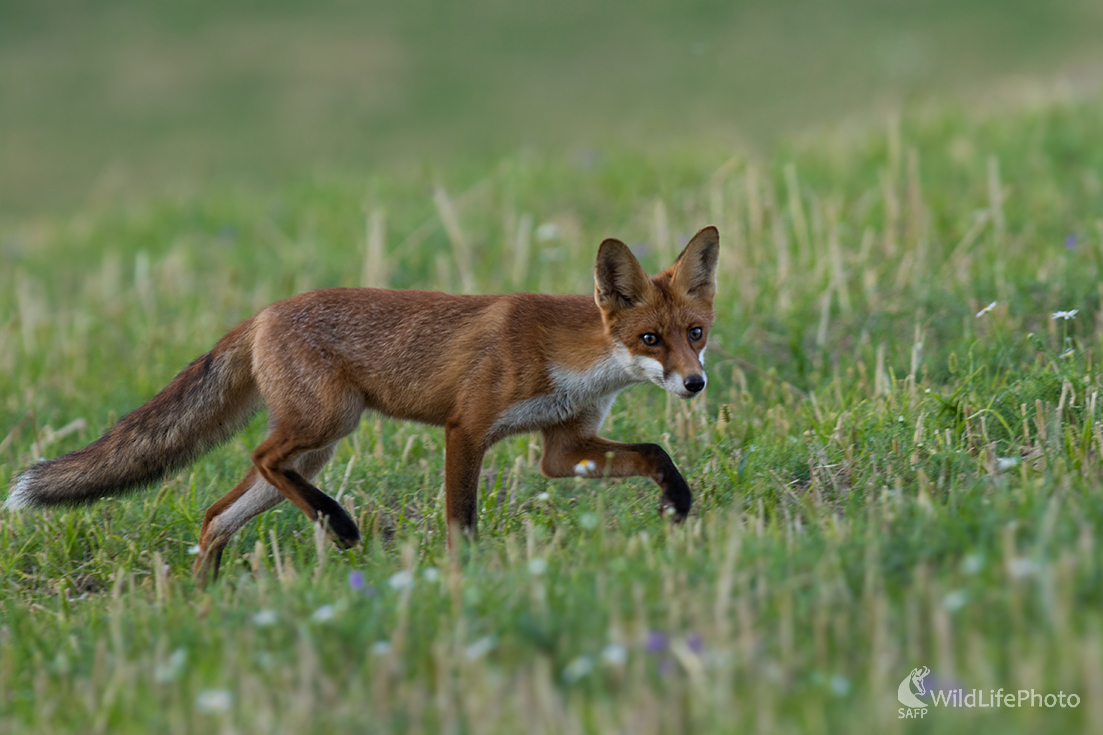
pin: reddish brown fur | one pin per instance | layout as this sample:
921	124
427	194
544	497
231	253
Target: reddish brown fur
483	367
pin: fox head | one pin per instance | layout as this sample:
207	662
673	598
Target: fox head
660	324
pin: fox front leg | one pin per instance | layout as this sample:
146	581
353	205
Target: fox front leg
463	460
568	454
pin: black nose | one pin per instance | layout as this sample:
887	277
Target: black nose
695	383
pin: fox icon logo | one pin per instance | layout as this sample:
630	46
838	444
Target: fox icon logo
907	697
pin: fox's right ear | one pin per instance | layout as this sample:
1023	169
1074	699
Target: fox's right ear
619	279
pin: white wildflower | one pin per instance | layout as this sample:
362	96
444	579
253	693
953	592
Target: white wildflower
430	574
577	669
588	521
194	550
480	648
972	563
401	580
170	669
840	685
266	617
585	467
1070	352
614	655
214	701
381	648
537	566
1003	464
543	497
1021	567
986	309
547	231
324	614
1071	314
955	600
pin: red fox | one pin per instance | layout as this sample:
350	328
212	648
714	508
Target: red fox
483	367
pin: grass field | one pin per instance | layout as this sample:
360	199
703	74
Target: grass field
896	462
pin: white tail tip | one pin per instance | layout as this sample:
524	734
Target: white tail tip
20	495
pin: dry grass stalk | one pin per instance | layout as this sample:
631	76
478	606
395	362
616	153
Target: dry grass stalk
995	198
376	269
796	213
461	249
519	251
660	232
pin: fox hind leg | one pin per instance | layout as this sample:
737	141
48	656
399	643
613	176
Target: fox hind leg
249	498
277	458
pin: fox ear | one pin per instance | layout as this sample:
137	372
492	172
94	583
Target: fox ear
619	280
694	272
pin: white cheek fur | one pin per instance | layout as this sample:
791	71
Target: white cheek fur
649	368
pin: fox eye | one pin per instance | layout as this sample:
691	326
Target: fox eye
651	339
695	334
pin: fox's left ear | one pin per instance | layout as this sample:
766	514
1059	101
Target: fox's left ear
694	272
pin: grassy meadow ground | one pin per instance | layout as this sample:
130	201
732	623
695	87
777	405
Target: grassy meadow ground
884	479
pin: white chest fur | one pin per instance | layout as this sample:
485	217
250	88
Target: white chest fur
586	395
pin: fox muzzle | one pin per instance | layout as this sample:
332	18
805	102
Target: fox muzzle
694	383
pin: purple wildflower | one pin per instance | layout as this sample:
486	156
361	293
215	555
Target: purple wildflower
356	580
1070	242
656	642
693	640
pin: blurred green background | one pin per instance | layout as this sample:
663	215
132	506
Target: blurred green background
109	98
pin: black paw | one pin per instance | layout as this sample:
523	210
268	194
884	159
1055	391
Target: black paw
342	528
676	501
344	531
676	498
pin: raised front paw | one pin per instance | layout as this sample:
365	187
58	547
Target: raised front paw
676	502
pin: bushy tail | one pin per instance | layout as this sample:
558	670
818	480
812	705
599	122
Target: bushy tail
208	402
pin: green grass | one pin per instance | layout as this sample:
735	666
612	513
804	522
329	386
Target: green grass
883	479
